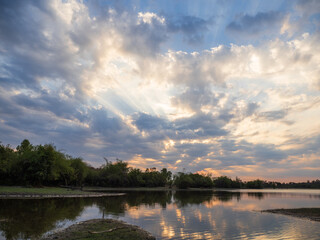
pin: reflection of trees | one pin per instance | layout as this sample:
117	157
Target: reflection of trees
150	198
31	218
227	196
184	198
258	195
114	205
119	205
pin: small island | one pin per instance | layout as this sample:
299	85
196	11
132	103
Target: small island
312	214
102	229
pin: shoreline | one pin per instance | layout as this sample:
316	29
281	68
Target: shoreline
101	229
17	192
312	214
42	196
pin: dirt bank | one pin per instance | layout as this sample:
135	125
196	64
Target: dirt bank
312	214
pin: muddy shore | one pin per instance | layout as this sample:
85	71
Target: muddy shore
312	214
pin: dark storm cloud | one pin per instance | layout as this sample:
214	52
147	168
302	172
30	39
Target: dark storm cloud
261	23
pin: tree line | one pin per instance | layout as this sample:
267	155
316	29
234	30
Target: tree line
44	165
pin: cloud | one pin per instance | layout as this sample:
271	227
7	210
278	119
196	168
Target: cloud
147	122
195	98
200	126
192	28
271	115
255	25
100	82
308	7
197	126
70	125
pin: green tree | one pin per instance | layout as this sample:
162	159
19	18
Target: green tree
7	160
183	180
222	182
135	178
80	170
63	168
115	174
167	175
257	184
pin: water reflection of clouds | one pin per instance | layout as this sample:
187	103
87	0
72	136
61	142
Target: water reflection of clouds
167	230
189	215
143	211
232	219
89	213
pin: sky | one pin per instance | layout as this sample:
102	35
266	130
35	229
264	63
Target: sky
221	87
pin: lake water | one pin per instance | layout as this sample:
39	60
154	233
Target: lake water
171	214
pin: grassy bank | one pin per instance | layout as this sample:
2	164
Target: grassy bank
117	189
97	229
307	213
48	192
43	190
147	189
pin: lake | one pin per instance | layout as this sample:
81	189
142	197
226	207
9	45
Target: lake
170	214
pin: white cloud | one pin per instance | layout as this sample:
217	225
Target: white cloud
149	17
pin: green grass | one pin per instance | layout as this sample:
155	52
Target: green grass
145	189
104	189
41	191
84	230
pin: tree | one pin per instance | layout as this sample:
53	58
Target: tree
222	182
135	178
115	174
183	180
257	184
166	174
80	170
63	168
7	160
